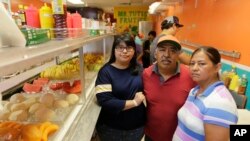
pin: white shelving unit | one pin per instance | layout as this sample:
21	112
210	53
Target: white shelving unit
80	123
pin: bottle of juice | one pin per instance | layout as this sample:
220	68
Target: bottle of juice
76	24
59	16
243	85
32	17
21	14
17	19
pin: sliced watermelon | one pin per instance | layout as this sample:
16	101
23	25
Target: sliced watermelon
32	88
56	86
76	82
76	89
43	79
39	82
59	85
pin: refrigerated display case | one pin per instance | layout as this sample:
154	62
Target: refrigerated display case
145	27
19	64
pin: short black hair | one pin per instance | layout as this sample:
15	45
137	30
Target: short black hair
153	33
212	53
166	25
129	41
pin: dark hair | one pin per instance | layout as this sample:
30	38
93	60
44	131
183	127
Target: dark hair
212	53
153	33
166	25
129	41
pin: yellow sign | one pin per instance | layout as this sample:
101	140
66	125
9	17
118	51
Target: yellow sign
128	17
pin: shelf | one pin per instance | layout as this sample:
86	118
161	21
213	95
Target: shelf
79	124
14	59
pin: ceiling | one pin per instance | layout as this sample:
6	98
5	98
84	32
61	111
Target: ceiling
108	5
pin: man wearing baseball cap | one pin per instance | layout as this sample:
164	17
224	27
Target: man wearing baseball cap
170	26
166	87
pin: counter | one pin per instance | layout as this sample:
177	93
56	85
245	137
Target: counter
244	116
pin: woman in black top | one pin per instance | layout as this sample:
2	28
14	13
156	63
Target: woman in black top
119	90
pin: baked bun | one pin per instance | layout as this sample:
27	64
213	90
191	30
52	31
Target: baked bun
17	98
33	108
72	99
45	114
19	115
61	104
47	99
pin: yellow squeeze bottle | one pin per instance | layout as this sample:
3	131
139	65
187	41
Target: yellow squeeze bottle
234	82
46	17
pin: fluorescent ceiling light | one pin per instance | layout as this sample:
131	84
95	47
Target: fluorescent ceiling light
76	1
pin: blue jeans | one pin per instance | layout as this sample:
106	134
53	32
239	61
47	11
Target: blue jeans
106	133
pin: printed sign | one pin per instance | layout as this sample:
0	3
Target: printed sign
128	17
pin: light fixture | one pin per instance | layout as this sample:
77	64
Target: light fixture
153	7
76	1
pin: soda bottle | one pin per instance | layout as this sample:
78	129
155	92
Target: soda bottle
243	85
21	14
59	16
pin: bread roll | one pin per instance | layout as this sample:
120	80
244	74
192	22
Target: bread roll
17	98
47	99
45	114
19	115
4	115
61	104
18	106
72	99
7	105
29	101
33	108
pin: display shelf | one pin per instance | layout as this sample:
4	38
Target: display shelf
15	80
14	59
79	123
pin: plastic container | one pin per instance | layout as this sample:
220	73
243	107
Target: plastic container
243	85
21	14
32	16
76	24
76	20
69	24
234	83
46	18
17	20
69	20
60	26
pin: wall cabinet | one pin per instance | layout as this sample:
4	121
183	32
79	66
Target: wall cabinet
17	64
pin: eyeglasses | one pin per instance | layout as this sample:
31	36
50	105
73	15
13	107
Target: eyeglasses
121	48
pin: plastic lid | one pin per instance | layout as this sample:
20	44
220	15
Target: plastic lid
31	7
45	7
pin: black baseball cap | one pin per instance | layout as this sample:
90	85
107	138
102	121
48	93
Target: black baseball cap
172	20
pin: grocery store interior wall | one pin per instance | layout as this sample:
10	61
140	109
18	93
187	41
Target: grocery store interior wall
223	24
15	3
